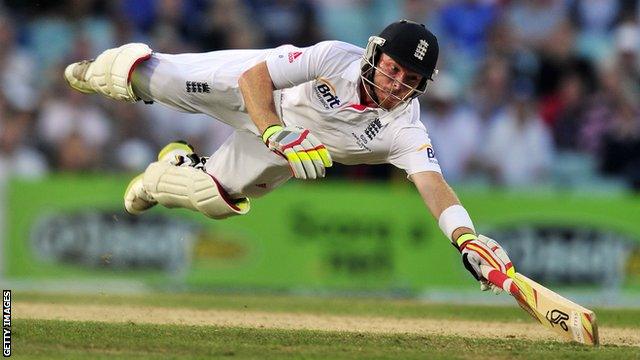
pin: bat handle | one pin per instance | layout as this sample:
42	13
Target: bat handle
500	279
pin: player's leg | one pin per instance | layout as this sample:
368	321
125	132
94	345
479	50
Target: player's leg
110	73
136	199
245	167
178	179
133	72
239	169
196	83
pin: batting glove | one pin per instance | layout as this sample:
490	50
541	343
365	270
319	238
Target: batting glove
306	155
482	250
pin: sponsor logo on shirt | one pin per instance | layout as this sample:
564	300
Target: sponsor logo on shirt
326	94
294	55
431	154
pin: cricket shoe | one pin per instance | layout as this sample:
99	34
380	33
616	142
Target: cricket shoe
136	198
75	75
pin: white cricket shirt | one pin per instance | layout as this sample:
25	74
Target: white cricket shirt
320	92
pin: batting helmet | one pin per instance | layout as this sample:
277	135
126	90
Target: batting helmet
408	43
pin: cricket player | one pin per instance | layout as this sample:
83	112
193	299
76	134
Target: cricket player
295	111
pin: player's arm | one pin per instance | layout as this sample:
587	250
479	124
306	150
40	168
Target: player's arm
456	224
307	157
257	90
438	196
533	297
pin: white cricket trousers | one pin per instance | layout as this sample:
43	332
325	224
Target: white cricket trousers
208	83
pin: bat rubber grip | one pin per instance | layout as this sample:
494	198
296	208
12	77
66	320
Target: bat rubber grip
500	279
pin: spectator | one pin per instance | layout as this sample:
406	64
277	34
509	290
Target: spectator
465	25
595	20
502	43
17	157
569	113
53	31
287	22
454	128
601	107
68	125
353	21
558	59
132	146
228	26
620	155
17	70
491	88
518	150
535	20
425	12
77	155
595	16
580	119
627	40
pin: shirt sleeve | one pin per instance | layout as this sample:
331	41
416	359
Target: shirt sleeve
290	66
411	150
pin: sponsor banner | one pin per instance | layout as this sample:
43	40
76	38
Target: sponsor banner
93	238
567	253
323	235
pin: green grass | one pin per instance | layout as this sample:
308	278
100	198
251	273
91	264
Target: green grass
49	339
327	305
41	339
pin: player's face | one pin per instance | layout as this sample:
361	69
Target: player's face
394	82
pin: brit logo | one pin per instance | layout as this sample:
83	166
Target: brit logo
421	49
197	87
326	94
431	155
294	55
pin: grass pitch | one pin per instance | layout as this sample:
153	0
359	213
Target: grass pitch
61	339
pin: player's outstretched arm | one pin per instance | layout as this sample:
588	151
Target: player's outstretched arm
306	155
455	223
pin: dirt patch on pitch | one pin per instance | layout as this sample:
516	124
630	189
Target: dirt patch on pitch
300	321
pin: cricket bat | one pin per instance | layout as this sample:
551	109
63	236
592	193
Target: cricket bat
568	319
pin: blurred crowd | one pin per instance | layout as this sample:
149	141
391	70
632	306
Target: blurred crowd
529	92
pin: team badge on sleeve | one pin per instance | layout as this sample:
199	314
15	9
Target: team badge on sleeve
293	55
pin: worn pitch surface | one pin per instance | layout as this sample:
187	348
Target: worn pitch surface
304	321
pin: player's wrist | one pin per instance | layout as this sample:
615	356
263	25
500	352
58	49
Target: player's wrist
462	240
270	130
454	218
